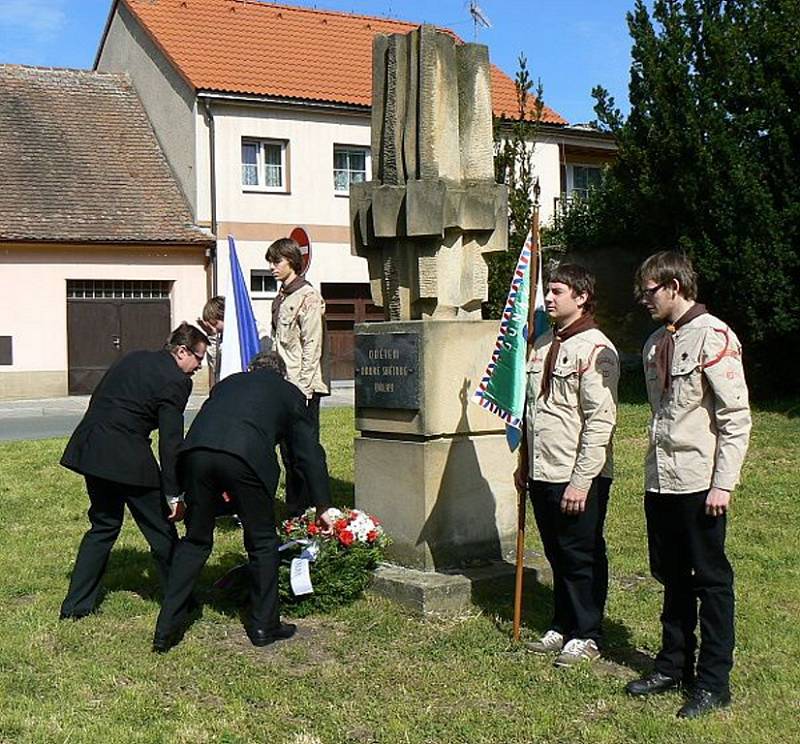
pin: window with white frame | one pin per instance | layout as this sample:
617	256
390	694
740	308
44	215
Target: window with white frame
262	284
584	179
263	165
350	165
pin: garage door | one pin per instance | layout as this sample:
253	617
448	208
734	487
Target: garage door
106	319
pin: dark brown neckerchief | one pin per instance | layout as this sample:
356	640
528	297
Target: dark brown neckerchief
665	347
584	323
285	291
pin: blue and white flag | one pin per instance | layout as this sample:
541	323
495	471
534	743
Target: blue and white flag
240	340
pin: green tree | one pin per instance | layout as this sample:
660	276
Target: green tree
707	160
513	166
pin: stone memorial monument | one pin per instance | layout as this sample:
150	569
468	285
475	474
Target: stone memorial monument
436	470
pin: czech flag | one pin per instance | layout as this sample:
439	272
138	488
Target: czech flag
240	339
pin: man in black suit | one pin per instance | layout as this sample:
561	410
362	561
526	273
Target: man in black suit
143	391
230	448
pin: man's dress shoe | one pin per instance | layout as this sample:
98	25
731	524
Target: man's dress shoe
262	637
703	701
163	642
652	684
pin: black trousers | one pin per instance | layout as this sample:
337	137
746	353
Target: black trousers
207	475
298	497
106	514
687	556
576	550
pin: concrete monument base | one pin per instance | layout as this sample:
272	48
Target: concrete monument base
433	593
432	466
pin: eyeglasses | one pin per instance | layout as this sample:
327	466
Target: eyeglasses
651	291
197	356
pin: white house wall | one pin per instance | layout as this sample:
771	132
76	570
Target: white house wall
546	168
255	219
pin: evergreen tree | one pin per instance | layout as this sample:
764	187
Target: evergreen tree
708	157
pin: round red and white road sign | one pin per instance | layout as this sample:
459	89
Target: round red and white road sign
300	236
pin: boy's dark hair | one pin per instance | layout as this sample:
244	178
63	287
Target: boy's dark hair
662	268
185	335
578	279
270	360
214	309
288	249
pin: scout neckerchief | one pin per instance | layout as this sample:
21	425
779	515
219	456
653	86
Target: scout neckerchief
665	347
286	289
584	323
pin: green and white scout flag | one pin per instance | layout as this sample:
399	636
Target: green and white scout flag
502	387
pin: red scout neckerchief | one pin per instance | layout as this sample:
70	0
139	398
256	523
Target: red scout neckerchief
665	347
584	323
284	292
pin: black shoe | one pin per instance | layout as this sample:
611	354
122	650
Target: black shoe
261	637
652	684
73	615
163	642
703	701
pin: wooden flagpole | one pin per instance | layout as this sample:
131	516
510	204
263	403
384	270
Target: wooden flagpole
522	494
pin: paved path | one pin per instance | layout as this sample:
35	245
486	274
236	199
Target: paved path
57	417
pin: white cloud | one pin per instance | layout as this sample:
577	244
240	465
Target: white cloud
39	19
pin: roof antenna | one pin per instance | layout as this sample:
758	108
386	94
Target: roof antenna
479	18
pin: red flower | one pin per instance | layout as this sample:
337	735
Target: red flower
372	535
340	524
313	529
346	538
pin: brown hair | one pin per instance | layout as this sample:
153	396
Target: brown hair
662	268
185	335
270	360
288	249
214	309
578	279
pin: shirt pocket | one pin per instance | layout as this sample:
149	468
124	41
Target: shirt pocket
533	368
565	382
687	383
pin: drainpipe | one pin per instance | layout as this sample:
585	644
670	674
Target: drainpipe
213	185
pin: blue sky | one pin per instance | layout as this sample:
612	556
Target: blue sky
571	45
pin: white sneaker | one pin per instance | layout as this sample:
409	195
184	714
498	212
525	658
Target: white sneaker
577	650
550	643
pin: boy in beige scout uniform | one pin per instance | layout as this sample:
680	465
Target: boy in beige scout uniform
298	334
566	463
698	438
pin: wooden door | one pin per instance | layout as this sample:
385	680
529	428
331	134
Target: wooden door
100	331
346	305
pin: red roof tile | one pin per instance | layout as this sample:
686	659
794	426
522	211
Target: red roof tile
258	48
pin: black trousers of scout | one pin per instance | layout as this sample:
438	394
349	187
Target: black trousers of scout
207	474
576	550
298	498
106	513
687	556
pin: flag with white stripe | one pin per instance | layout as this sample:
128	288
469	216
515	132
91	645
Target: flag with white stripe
240	340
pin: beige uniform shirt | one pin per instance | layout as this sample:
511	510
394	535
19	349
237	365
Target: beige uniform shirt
301	341
700	427
569	433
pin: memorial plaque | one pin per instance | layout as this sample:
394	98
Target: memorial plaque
387	370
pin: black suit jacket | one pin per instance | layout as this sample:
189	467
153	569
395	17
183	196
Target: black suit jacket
247	415
143	391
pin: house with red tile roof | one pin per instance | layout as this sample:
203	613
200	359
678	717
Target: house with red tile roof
263	111
99	252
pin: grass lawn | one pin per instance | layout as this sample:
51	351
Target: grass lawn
369	672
